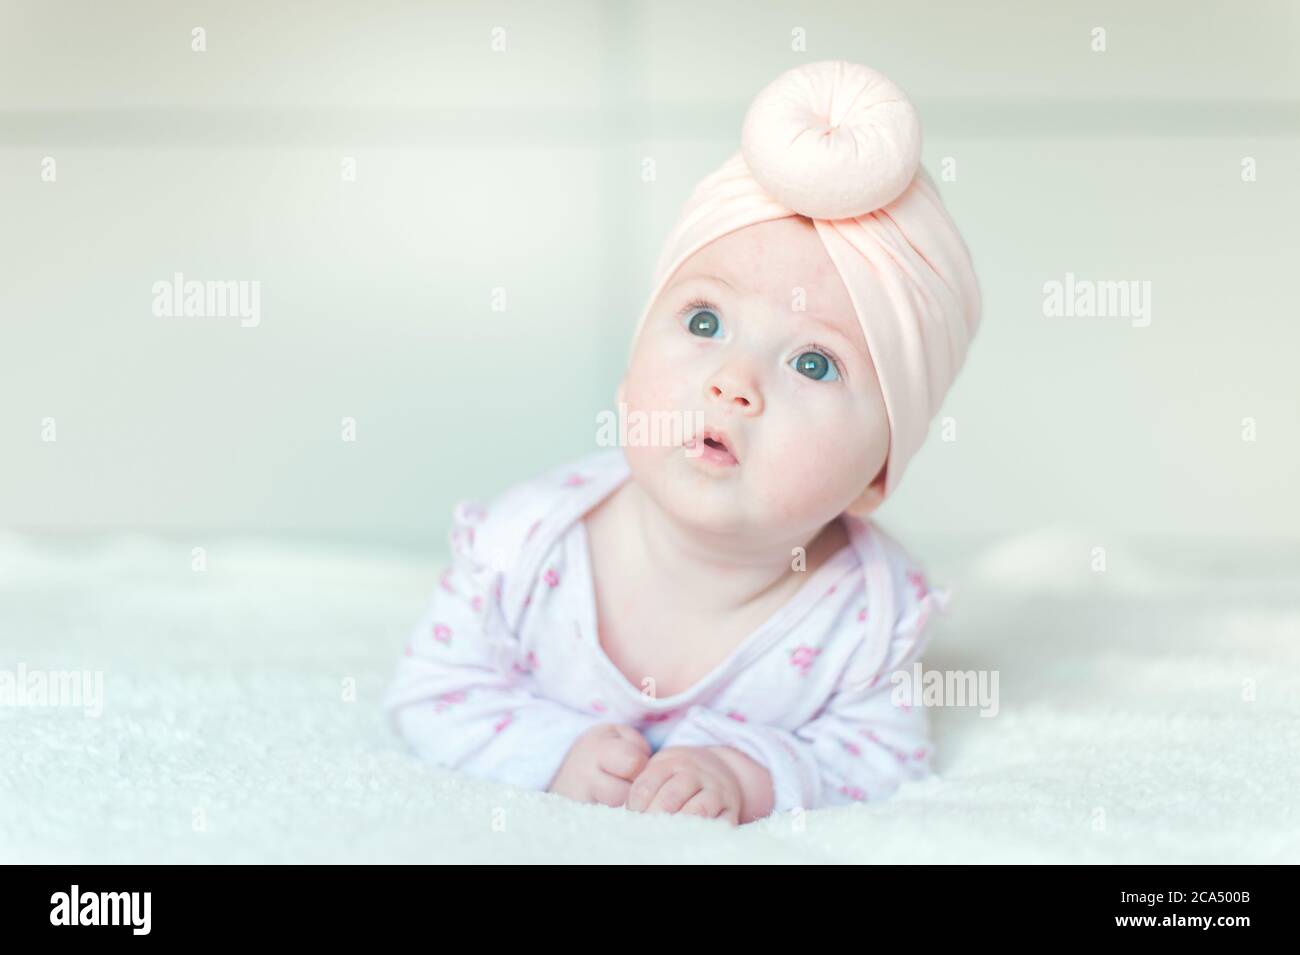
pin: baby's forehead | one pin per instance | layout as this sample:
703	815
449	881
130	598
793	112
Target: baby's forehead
783	260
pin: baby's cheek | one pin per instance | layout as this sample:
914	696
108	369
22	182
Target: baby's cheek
799	487
655	422
651	386
818	468
649	395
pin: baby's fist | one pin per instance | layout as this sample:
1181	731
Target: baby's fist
601	765
692	780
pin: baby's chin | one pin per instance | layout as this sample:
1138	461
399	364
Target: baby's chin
691	492
724	501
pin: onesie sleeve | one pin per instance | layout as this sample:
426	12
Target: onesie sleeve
460	698
869	738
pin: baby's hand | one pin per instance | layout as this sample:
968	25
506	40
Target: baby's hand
601	765
692	780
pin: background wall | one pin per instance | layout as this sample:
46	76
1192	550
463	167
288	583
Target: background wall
521	170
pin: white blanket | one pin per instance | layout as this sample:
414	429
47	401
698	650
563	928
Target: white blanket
1149	712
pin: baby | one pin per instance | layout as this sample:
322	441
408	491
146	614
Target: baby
708	625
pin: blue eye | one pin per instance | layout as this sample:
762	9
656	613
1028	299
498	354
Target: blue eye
816	366
704	323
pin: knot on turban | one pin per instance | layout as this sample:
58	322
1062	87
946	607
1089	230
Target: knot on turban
840	144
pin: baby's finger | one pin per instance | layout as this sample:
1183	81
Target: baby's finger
633	737
646	786
622	759
674	793
706	804
609	790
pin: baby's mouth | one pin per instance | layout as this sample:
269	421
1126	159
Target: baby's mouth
711	447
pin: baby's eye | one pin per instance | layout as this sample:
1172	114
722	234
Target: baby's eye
816	366
704	322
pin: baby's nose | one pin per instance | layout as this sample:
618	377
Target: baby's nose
739	394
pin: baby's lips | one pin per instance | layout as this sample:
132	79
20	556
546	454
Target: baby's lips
698	450
719	436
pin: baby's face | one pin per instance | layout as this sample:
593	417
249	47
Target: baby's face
757	332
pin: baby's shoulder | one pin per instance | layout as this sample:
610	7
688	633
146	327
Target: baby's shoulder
493	531
912	597
909	584
899	602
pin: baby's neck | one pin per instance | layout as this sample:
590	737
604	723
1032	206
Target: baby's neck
715	573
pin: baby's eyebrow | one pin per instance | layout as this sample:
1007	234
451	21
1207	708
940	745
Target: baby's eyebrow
705	277
835	329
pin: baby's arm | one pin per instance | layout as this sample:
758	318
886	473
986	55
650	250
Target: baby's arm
460	698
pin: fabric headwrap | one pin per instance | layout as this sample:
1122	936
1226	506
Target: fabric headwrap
841	144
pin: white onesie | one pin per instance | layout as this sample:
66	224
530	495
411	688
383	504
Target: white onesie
503	671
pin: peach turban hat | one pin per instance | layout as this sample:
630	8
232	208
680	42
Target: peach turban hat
841	144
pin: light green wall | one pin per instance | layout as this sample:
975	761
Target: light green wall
522	170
